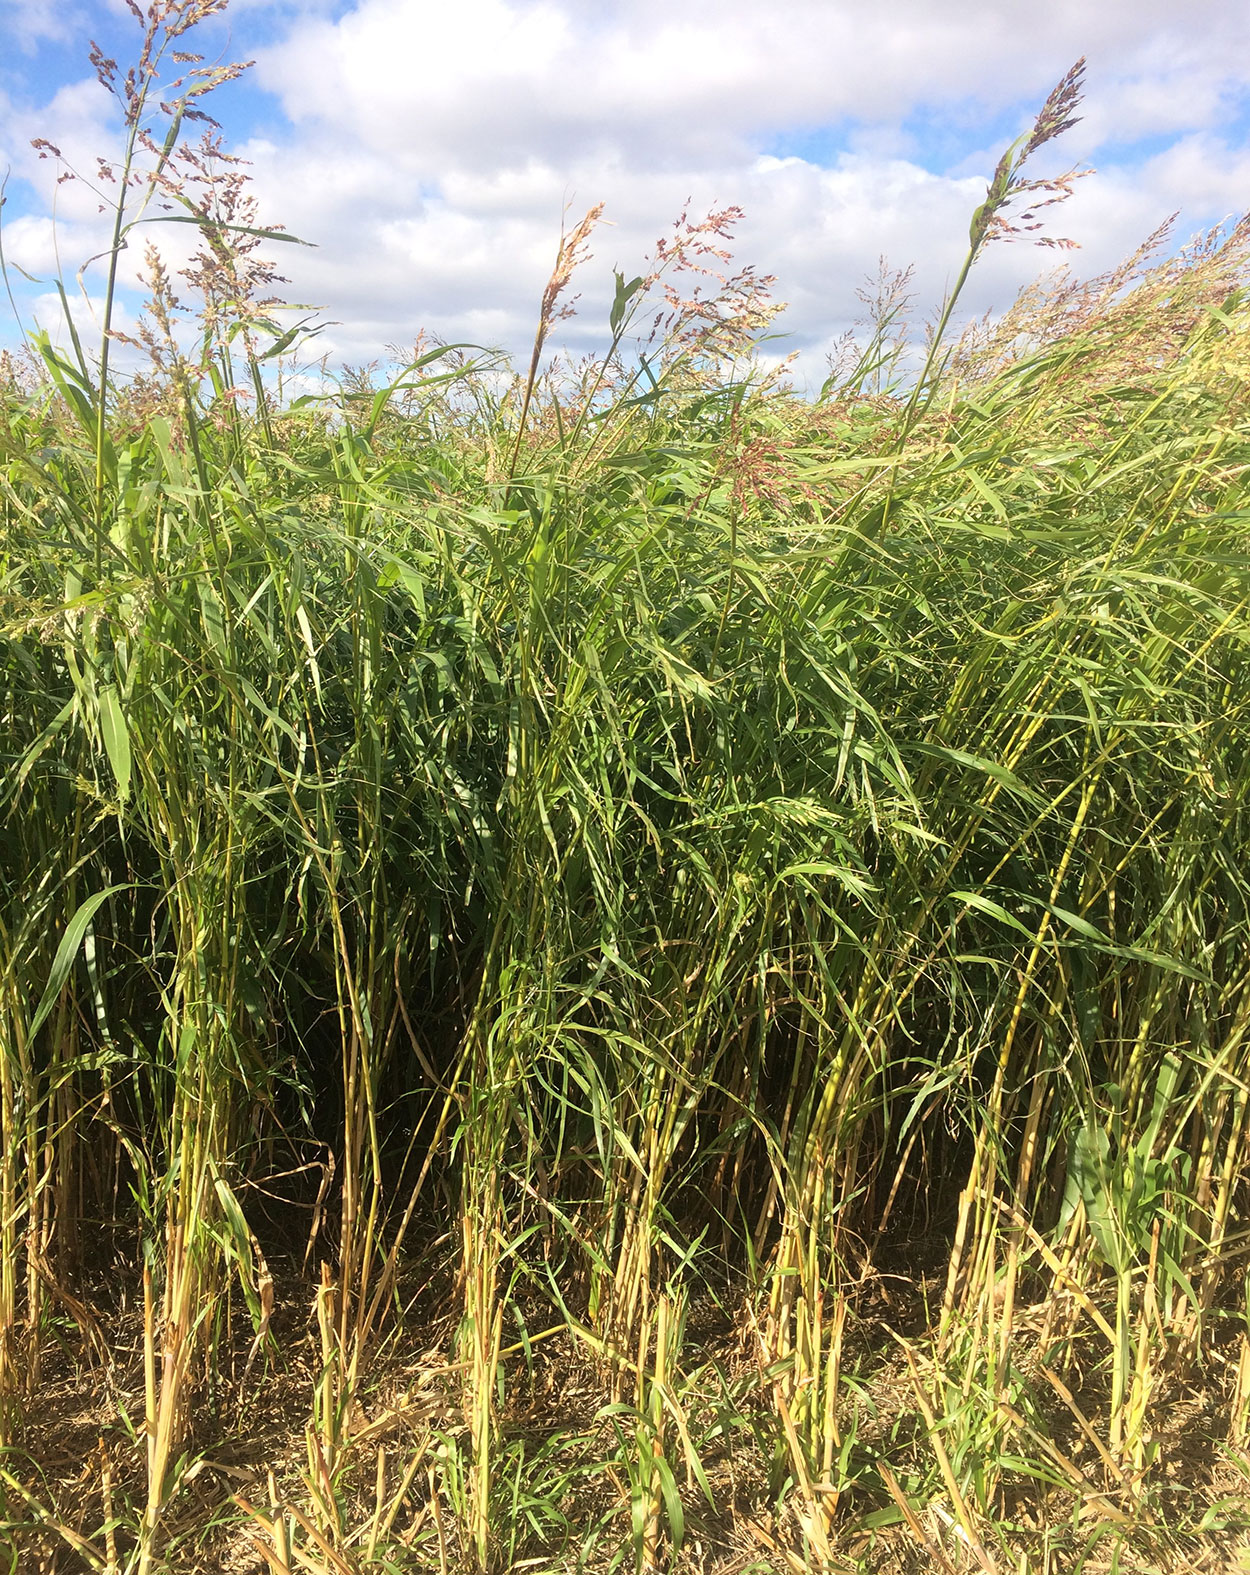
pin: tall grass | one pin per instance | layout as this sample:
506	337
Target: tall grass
745	897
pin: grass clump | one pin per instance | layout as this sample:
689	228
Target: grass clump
627	970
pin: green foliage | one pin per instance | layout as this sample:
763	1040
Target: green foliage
665	840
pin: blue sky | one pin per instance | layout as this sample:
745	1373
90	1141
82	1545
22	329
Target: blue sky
429	151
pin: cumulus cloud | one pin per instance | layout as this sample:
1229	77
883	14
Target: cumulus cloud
429	151
494	82
28	25
435	147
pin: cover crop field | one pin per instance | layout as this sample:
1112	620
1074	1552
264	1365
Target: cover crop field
620	968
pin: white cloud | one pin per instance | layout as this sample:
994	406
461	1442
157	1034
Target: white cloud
494	81
48	313
1201	173
431	149
33	243
28	25
436	146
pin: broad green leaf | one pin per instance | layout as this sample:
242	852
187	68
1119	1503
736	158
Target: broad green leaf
980	903
67	951
116	735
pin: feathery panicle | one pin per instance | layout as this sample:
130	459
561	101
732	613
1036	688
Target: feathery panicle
571	253
1008	185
